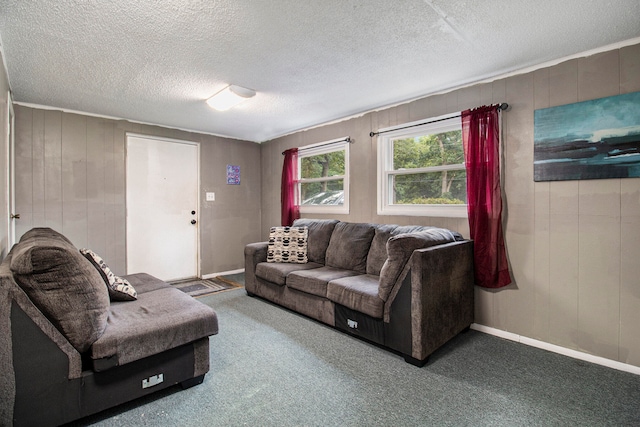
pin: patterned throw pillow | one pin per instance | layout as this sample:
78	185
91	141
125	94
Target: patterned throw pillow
119	289
288	244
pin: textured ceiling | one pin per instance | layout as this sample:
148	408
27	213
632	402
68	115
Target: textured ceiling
310	61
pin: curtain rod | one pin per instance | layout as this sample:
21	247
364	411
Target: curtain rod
502	107
347	139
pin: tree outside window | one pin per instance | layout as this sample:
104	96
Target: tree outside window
323	181
438	186
422	171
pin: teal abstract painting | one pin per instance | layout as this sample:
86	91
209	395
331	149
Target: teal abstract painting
595	139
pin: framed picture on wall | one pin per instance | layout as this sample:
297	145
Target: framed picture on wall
595	139
233	175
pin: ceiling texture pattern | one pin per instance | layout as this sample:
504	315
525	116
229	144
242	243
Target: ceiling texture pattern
311	61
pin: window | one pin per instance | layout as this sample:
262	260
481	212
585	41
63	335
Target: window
421	169
324	177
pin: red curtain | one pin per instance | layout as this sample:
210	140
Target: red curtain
481	140
288	191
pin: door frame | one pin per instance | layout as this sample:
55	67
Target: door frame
10	164
174	141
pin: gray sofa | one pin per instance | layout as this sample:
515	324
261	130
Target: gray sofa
407	288
67	350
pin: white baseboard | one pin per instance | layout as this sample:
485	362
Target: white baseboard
558	349
222	273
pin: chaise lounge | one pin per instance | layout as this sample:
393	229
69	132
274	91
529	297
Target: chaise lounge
68	351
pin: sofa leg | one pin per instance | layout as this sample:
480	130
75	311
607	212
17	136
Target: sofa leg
192	382
416	362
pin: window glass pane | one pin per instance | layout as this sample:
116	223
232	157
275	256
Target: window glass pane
322	165
428	150
324	193
433	188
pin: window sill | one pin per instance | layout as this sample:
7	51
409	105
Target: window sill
340	210
442	211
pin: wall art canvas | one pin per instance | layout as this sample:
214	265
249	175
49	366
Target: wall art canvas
595	139
233	175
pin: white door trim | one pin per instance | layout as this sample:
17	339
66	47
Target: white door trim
11	189
198	207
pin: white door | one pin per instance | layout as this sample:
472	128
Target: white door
162	207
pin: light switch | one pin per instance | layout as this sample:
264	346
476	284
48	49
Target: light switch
210	197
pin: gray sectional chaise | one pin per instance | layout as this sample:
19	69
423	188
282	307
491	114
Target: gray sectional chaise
68	351
407	288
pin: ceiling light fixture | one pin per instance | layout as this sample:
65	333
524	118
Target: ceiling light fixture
229	97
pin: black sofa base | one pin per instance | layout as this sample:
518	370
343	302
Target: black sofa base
46	397
394	336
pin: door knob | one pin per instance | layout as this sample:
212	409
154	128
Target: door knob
193	221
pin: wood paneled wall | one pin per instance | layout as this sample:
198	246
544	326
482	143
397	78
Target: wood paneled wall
70	176
573	246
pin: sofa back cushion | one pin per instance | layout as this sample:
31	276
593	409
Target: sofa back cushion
400	248
319	234
63	284
349	246
378	251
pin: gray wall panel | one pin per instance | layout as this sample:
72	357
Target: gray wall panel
74	182
52	168
23	170
74	178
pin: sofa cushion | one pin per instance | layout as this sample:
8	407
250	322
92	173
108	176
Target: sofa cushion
349	246
315	281
277	272
63	284
144	282
378	251
287	244
319	234
119	289
158	320
359	293
401	247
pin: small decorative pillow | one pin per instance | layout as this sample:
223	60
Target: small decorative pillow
119	289
288	244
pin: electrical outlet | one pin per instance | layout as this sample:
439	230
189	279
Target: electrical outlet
210	197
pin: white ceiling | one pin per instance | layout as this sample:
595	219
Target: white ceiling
310	61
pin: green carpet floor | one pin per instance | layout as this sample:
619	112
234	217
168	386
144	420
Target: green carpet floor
272	367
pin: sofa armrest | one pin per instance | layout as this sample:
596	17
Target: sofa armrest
442	295
254	253
38	365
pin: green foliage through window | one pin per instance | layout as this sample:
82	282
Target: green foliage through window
441	186
322	180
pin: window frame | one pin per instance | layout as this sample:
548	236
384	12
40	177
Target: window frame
340	144
386	137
